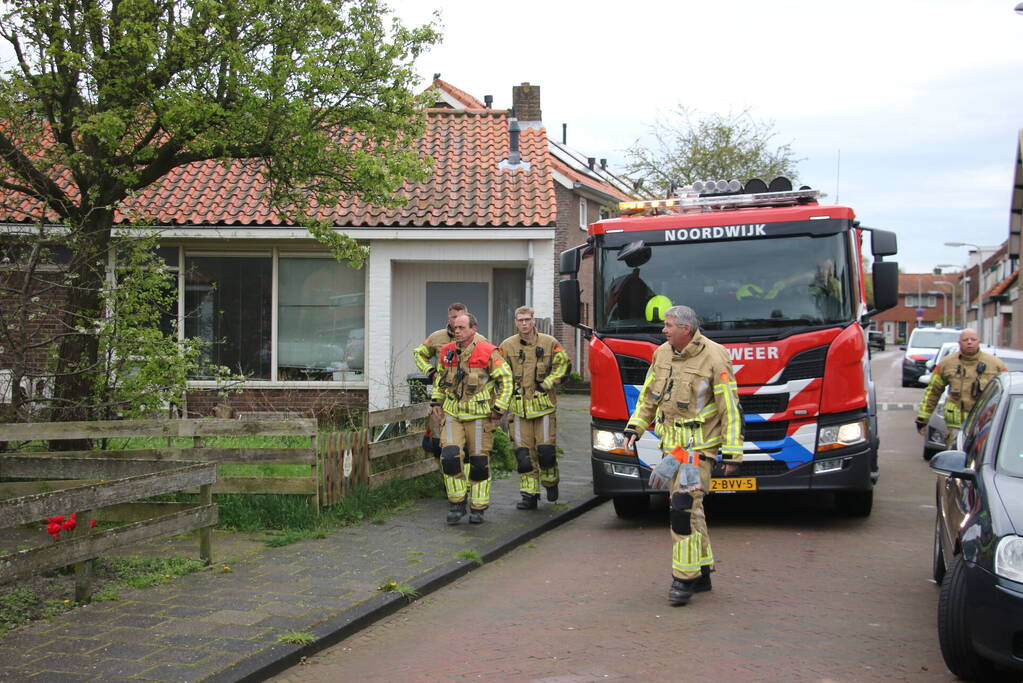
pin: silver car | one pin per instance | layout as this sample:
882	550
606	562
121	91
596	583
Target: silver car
934	437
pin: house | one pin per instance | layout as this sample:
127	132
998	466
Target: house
990	308
315	335
1014	302
925	300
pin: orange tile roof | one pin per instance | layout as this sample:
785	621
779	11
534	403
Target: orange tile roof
467	100
999	288
466	187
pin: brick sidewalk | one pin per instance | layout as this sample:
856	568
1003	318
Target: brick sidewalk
225	624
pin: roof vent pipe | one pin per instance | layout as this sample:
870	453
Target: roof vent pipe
488	101
513	134
564	133
603	164
591	162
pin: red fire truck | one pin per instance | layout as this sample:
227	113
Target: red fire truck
775	277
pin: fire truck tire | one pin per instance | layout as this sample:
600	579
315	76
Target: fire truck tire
855	503
628	507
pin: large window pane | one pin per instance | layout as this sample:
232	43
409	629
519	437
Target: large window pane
228	305
320	330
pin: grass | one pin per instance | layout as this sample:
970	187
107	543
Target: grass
296	638
471	556
401	588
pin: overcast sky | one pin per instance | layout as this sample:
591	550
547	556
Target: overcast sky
921	100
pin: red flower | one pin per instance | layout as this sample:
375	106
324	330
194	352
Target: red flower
92	523
69	524
56	537
53	529
55	520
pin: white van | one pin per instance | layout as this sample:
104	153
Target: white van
923	345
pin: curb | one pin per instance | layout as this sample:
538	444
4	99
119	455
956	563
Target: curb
281	656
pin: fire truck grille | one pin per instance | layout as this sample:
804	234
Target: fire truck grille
766	431
633	369
761	468
806	365
764	403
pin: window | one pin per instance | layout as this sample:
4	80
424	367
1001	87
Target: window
584	219
321	314
228	305
977	428
921	300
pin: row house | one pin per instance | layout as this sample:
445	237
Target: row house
925	300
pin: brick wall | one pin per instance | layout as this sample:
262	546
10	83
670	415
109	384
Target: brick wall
567	235
327	405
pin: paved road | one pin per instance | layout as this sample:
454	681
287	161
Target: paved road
801	593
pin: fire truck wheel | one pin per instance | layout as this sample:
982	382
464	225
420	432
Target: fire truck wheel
855	503
628	507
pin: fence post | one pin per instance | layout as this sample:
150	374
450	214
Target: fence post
205	533
314	499
83	569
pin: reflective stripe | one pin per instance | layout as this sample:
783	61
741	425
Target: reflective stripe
479	436
687	554
549	476
546	429
480	493
529	483
455	488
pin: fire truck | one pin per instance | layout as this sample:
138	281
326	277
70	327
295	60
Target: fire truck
778	279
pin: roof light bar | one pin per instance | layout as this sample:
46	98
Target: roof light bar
723	201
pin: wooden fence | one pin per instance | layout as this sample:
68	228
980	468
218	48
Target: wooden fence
352	457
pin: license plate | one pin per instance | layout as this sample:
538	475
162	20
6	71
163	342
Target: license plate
733	484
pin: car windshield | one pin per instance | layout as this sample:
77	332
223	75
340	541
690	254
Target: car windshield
932	339
772	283
1010	450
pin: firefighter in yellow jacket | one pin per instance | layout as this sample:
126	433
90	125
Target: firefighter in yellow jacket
537	363
425	356
690	397
965	373
471	393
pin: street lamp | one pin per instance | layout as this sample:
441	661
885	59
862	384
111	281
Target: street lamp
944	301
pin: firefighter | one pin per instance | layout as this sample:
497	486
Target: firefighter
691	399
471	393
965	373
424	356
538	363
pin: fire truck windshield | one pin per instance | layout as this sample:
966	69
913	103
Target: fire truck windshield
763	283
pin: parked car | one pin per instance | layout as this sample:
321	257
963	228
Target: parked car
923	344
936	433
875	339
978	546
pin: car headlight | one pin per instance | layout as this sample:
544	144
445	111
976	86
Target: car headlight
842	435
1009	558
610	442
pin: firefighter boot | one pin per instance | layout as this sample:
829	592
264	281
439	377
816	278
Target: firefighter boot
680	591
552	493
475	516
703	583
456	512
528	502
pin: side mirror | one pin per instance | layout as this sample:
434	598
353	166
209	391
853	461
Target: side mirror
886	285
883	243
569	264
953	463
568	292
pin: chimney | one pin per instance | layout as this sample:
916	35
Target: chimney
591	162
526	103
488	101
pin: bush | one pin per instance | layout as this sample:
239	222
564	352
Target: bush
502	458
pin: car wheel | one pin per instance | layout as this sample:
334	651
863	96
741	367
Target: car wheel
929	453
938	568
954	631
628	507
855	503
908	384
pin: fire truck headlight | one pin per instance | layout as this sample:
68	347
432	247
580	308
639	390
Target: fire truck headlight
842	435
1009	558
610	442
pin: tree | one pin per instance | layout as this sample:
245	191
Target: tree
105	97
686	148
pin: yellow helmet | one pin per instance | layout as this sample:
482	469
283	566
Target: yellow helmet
656	308
747	291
